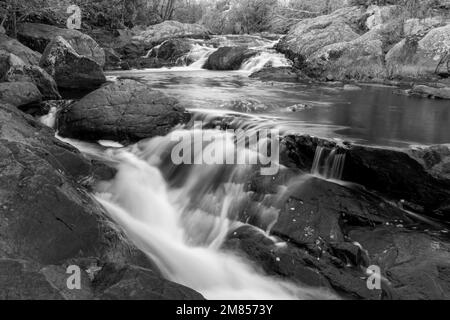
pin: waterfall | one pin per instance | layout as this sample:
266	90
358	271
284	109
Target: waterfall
328	164
49	119
266	58
180	216
199	54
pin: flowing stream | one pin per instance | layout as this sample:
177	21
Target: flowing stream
180	216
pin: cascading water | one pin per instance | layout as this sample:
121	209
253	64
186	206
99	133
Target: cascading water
201	50
180	216
328	164
265	58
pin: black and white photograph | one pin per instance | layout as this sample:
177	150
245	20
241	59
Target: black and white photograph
225	155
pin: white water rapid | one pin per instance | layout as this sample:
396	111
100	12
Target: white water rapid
180	217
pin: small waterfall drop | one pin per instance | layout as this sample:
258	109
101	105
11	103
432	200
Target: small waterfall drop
266	58
180	216
328	164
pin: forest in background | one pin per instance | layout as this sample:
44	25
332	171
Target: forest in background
220	16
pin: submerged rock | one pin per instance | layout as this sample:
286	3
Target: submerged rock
37	36
228	58
69	69
127	111
19	93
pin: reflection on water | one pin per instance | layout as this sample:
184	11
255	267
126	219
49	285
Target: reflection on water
373	115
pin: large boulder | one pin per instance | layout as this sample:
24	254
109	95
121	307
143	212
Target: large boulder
281	74
310	35
44	217
381	15
19	93
415	265
392	173
358	59
417	26
69	69
127	110
37	36
15	47
158	33
228	58
420	57
34	74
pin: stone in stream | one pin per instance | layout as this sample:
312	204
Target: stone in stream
15	47
158	33
126	111
281	74
116	282
69	69
37	36
392	173
19	93
430	92
228	58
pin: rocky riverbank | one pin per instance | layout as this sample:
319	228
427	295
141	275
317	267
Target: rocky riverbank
392	211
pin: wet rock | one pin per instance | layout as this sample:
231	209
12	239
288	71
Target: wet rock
19	93
34	74
379	15
416	265
430	92
281	74
37	36
397	175
228	58
116	282
173	50
392	173
158	33
15	47
127	110
45	216
8	61
69	69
